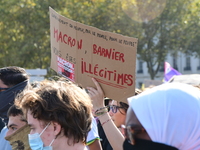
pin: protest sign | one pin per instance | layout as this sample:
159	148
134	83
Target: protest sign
80	52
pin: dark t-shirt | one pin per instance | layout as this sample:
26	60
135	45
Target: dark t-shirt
104	141
142	144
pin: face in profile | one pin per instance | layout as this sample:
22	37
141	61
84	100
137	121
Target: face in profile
37	126
15	123
117	113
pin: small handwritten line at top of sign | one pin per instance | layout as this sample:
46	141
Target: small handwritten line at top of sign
108	83
59	19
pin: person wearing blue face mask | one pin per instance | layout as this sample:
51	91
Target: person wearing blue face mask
59	115
36	142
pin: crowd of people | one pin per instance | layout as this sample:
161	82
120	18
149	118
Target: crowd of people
61	115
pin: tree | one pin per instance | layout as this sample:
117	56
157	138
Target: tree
167	32
25	32
25	37
190	35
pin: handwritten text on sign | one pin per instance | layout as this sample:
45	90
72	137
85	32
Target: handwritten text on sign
80	52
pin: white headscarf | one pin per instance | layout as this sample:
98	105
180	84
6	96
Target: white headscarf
170	113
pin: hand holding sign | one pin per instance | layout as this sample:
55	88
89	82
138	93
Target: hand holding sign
97	95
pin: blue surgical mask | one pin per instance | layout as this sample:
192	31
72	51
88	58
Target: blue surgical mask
36	142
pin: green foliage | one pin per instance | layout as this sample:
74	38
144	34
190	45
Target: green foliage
25	33
164	28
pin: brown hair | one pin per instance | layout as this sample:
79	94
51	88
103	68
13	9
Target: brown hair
62	102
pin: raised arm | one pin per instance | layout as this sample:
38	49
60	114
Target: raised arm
113	134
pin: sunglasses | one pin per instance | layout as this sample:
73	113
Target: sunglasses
3	89
131	131
114	108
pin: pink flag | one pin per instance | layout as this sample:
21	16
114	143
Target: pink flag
170	72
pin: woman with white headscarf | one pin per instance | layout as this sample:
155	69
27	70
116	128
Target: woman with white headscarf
164	117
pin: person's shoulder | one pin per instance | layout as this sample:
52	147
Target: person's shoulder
4	131
5	145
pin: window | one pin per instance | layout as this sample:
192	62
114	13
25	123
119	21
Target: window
140	67
198	68
175	62
162	68
187	64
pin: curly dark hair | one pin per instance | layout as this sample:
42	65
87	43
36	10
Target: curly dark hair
61	102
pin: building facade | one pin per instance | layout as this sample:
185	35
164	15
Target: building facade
185	64
36	74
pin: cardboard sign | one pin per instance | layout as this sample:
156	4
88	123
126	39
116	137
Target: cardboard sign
80	52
